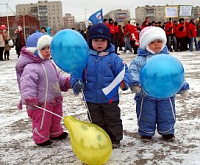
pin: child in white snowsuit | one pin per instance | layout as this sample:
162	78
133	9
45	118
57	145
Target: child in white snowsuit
153	112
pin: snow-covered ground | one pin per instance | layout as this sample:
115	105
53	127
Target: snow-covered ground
17	146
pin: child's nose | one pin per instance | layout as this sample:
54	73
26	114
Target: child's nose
48	50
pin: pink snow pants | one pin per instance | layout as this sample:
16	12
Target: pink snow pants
45	124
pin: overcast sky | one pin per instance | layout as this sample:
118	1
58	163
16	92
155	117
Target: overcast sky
82	9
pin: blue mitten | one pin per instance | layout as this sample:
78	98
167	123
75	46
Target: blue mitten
78	87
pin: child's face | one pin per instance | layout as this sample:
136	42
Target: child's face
99	44
46	52
156	46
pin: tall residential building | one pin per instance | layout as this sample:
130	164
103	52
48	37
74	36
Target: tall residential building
69	21
49	13
196	12
118	16
155	13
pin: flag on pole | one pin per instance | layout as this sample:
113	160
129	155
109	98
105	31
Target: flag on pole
97	17
112	89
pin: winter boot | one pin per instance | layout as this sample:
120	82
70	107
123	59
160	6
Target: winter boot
146	138
115	144
44	144
64	135
169	137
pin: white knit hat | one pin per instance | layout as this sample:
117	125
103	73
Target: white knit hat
42	42
36	41
132	22
151	33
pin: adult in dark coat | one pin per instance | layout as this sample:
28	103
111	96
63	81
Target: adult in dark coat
19	42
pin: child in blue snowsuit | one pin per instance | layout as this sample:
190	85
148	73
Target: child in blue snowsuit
102	68
152	112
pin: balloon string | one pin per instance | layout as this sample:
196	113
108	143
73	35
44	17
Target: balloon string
89	116
49	111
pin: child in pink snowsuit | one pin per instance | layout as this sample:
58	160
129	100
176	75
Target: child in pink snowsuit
40	84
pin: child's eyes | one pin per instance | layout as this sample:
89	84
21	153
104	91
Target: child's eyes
46	47
158	41
99	40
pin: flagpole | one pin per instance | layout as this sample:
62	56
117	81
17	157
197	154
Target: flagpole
85	15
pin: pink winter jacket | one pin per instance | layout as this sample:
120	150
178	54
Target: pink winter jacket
38	80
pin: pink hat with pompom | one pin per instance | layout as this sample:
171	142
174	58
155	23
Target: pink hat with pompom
152	33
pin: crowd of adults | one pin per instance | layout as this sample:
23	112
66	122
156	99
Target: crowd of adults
18	41
6	43
181	36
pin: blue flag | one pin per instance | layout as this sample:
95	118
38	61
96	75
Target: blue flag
97	17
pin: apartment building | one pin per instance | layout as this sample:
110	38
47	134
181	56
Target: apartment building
69	21
157	13
49	13
118	15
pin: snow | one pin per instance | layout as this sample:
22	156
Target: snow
17	146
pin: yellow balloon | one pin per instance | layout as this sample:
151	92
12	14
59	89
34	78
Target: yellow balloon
90	143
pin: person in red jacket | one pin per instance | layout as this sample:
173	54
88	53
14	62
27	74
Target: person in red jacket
181	35
105	21
170	32
127	36
146	22
2	44
116	37
192	34
134	36
112	29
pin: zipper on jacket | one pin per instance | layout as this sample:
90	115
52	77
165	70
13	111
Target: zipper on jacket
45	101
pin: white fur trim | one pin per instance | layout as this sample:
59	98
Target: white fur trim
132	22
31	49
152	34
19	28
148	49
40	55
43	41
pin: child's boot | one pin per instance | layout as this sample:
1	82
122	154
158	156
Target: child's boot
146	138
64	135
169	137
44	144
115	144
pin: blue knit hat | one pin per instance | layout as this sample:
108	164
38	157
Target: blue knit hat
33	39
31	42
99	31
36	41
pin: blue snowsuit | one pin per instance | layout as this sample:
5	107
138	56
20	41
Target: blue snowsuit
101	70
151	111
99	73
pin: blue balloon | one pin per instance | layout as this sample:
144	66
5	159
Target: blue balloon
162	76
70	51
